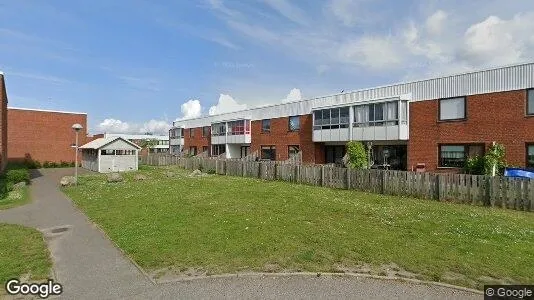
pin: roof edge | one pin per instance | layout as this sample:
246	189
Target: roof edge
367	88
47	110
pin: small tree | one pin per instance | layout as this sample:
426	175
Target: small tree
147	144
495	157
357	157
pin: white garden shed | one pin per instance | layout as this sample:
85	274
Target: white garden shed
112	154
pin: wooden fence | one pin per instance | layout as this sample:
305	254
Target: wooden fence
511	193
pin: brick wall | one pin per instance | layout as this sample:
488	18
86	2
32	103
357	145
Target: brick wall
197	140
498	117
3	124
42	135
281	138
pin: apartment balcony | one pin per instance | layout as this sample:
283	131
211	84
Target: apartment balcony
384	131
176	141
381	120
231	132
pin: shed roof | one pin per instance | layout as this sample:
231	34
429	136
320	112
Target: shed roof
101	142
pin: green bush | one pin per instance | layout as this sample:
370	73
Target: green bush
46	164
18	175
357	155
475	165
483	165
3	188
211	171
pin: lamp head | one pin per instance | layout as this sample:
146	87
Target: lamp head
77	127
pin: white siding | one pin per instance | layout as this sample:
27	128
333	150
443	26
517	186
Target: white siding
118	163
486	81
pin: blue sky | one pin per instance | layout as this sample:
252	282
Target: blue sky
136	66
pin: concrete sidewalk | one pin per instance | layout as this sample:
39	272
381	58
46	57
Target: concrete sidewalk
87	264
90	267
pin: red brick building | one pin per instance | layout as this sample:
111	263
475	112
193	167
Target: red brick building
43	135
3	123
434	123
197	141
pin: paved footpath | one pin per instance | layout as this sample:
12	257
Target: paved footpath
89	266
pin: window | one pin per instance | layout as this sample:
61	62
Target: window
217	150
163	142
218	129
530	156
205	131
268	152
266	125
455	156
404	112
239	127
177	133
452	109
205	149
332	118
124	152
294	123
378	114
107	152
530	102
193	150
293	151
192	132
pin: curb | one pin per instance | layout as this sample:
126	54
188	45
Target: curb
319	274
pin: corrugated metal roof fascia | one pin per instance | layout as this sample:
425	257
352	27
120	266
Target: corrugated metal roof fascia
506	78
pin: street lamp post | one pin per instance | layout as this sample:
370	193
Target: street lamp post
77	127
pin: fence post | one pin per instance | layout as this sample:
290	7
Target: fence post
487	191
322	175
348	178
259	169
437	193
383	181
275	170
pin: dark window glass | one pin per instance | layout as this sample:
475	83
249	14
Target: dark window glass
452	109
205	131
266	125
107	152
294	123
530	102
344	115
530	156
317	118
456	155
293	151
268	152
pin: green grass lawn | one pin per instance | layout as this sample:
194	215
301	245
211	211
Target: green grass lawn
222	224
15	198
23	254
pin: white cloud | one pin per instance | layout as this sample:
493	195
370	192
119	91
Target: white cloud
294	95
117	126
498	41
426	41
191	109
436	22
155	126
373	52
114	126
226	104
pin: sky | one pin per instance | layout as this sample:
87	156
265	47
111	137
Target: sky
134	66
